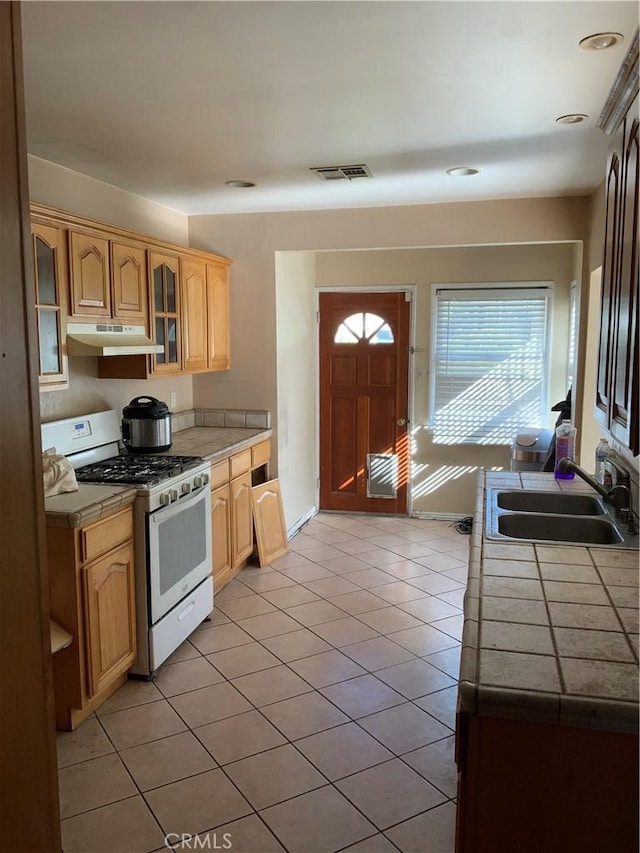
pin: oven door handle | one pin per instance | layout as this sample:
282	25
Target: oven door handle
162	514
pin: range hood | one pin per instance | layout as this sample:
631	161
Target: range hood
104	339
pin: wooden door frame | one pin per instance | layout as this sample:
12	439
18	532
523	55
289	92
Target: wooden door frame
29	806
410	289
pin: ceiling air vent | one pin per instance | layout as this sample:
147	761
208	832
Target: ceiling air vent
342	173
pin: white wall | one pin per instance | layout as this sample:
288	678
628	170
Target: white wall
296	366
253	240
67	190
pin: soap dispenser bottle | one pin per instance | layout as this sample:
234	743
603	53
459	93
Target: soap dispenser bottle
565	448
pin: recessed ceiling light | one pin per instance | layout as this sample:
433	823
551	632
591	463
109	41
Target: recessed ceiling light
600	41
238	184
572	118
462	171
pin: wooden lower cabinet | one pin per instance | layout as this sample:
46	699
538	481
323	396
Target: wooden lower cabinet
92	596
531	787
232	509
221	534
108	585
241	519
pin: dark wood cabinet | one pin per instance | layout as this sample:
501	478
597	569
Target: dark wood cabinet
534	787
617	399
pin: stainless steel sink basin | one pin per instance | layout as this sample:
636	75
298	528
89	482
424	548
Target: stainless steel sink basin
537	516
592	530
558	503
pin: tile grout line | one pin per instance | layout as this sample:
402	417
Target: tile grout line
349	719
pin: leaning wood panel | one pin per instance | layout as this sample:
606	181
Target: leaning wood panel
268	518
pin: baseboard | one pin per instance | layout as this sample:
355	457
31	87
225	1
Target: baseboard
291	532
440	516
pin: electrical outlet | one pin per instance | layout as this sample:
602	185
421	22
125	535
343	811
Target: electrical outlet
173	400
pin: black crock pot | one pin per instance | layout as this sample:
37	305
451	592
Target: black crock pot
146	426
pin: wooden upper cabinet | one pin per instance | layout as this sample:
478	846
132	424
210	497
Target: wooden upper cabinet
107	274
617	395
130	288
194	315
164	290
90	280
218	316
609	272
51	283
624	401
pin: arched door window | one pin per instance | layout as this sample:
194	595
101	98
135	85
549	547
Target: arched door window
363	327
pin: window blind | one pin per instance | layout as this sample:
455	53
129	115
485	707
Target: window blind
490	364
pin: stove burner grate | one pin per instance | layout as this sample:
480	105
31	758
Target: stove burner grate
136	469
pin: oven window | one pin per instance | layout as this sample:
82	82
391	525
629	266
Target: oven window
182	544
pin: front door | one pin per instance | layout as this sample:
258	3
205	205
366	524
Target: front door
364	370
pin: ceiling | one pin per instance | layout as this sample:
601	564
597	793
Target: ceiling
169	100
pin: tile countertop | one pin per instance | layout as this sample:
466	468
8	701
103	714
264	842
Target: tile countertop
213	443
89	503
551	631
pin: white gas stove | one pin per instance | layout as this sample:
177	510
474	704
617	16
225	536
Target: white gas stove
172	529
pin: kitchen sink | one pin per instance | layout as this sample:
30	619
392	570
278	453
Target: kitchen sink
538	516
592	530
558	503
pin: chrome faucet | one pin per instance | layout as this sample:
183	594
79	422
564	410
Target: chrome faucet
619	496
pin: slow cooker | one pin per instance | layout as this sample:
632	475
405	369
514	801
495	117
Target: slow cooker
146	426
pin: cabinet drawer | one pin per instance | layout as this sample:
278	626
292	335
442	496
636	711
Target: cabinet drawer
104	535
260	453
219	474
241	463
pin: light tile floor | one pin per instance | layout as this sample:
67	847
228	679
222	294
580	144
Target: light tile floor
315	712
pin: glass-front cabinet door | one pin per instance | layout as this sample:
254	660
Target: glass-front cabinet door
50	273
165	312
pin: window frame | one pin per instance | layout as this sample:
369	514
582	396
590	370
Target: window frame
545	288
572	334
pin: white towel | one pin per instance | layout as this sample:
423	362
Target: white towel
57	474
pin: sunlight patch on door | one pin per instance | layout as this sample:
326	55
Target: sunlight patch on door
382	475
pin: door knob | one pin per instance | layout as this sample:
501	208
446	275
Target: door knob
401	421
